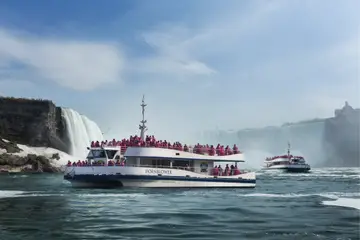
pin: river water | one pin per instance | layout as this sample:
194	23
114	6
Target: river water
318	205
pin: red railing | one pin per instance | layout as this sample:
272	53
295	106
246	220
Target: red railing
283	156
198	150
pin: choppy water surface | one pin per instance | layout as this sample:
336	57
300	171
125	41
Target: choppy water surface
318	205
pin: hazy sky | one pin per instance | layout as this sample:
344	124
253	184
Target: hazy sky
202	64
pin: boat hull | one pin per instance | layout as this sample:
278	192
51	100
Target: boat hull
298	170
290	168
124	177
94	181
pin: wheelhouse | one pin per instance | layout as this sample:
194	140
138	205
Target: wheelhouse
298	160
103	155
279	161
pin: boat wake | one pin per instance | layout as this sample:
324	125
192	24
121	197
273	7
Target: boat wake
17	194
330	195
336	173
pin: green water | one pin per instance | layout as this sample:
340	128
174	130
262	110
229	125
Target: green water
282	206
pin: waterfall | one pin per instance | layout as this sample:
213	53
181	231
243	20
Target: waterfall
80	131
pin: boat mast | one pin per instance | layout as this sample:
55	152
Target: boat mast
142	126
288	151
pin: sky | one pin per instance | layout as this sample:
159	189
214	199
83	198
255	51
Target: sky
204	64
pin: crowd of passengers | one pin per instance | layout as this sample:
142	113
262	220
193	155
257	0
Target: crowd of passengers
150	141
228	171
83	163
283	156
217	170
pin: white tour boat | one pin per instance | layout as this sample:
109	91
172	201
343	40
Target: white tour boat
147	165
288	163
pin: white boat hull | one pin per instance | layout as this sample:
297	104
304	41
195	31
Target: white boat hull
290	168
170	178
165	184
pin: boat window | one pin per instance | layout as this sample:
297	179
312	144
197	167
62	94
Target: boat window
182	164
111	153
90	156
98	153
160	163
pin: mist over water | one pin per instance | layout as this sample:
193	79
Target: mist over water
306	139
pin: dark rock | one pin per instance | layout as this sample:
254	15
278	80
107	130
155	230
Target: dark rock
33	122
55	156
10	147
51	169
38	163
26	169
341	138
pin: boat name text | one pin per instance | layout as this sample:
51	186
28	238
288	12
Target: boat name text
158	171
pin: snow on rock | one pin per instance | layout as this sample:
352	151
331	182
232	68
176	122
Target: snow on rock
43	151
2	151
48	153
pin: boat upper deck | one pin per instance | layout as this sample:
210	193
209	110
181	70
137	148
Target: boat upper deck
150	142
161	153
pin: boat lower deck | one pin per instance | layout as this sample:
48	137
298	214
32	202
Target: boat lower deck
156	181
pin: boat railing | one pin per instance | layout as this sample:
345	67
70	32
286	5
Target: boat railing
192	169
191	149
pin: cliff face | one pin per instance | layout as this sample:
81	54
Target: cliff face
341	137
30	122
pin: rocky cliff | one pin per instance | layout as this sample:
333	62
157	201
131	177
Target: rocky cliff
32	122
341	138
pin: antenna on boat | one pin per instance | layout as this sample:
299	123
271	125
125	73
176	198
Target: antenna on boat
288	151
142	126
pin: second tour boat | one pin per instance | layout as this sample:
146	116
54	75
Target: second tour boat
287	163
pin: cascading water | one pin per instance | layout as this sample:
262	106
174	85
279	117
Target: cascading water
81	131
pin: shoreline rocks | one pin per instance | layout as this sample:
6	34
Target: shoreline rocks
12	161
28	163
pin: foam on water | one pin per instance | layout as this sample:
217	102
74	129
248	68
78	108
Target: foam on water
331	195
81	131
344	202
17	194
340	173
340	199
107	195
10	193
